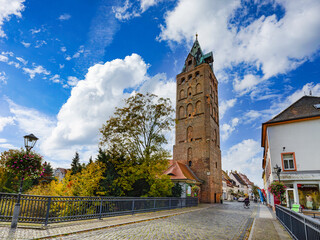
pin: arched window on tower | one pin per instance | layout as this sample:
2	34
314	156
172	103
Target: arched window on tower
189	92
198	88
211	90
198	107
189	110
181	112
181	94
211	109
189	154
190	134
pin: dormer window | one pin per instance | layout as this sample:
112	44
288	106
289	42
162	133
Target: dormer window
189	62
317	106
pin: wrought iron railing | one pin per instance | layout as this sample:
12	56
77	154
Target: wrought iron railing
50	209
300	227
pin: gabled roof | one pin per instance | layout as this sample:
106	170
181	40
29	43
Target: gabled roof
238	178
179	171
302	109
245	179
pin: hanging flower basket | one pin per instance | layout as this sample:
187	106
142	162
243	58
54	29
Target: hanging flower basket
22	164
277	188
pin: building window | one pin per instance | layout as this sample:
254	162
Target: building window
198	88
182	80
190	163
182	94
198	107
288	161
189	110
197	73
181	112
189	62
189	91
190	76
189	154
190	134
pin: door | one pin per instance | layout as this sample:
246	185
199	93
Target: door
290	197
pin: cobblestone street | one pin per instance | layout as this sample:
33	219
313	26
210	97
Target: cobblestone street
226	221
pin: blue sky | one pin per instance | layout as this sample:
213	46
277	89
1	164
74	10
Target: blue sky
65	65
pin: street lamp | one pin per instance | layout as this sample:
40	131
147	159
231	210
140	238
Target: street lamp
277	170
29	142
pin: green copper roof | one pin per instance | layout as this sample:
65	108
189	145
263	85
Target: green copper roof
197	53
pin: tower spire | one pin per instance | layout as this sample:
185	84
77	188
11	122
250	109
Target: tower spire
196	36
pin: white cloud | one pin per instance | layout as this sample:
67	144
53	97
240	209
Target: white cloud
31	120
68	58
15	64
91	102
5	144
4	121
40	43
61	66
22	60
56	78
36	70
77	54
3	58
226	105
269	45
245	85
245	157
72	81
25	44
123	13
131	10
35	31
145	4
7	9
3	78
64	17
63	49
227	129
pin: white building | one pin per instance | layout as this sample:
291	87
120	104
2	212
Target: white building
60	173
239	182
291	140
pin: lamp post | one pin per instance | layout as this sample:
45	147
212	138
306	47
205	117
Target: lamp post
29	142
277	170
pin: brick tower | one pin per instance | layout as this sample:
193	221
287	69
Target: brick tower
197	142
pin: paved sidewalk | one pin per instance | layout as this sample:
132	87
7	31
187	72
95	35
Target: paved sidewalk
28	231
267	227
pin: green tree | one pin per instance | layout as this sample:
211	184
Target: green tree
75	164
255	191
176	190
136	133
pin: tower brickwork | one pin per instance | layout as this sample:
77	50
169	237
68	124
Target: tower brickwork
197	142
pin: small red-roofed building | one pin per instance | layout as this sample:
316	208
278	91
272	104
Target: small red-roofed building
182	174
